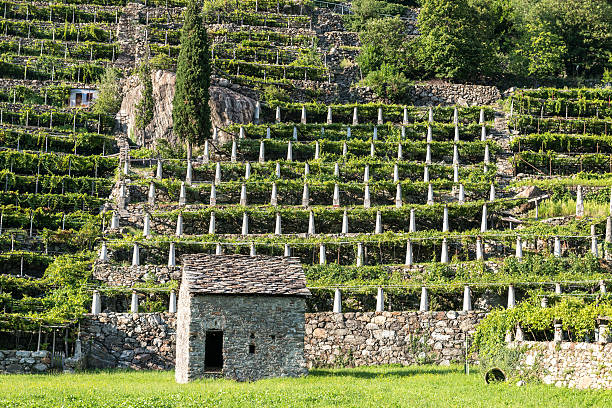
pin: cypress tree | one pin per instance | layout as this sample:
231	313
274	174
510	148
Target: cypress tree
190	110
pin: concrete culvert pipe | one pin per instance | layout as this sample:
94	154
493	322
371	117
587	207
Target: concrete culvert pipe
494	375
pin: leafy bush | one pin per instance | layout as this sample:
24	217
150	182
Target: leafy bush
387	83
109	96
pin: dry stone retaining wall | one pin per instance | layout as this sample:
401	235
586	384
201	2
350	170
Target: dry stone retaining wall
567	364
24	362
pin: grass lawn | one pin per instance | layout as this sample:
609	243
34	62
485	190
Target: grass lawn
424	386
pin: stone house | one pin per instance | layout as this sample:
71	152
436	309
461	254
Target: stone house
240	317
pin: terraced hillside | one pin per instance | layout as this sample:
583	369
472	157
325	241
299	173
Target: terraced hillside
368	195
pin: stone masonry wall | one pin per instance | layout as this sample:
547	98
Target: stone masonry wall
129	340
24	362
445	93
567	364
369	338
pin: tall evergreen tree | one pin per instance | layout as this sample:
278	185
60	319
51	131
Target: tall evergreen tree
191	113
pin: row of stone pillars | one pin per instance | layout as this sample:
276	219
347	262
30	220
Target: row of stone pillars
96	304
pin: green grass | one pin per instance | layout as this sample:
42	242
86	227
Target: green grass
424	386
562	208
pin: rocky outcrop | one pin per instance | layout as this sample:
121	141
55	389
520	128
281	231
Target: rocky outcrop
226	106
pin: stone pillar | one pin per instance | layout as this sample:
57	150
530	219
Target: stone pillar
455	115
511	297
336	170
344	149
430	195
172	304
428	154
445	219
378	229
134	305
366	197
287	250
103	253
322	257
274	196
557	247
602	287
426	174
558	289
456	139
305	196
247	170
189	176
245	223
212	224
424	306
172	255
380	300
408	253
558	332
345	222
492	193
329	115
455	154
206	152
115	221
412	226
146	230
544	302
483	222
183	194
594	250
136	255
217	173
519	336
429	134
398	196
252	249
234	153
278	228
306	169
241	134
359	254
375	134
456	173
126	167
179	225
122	201
482	116
151	196
336	197
317	150
479	251
483	133
366	174
430	117
461	197
277	170
289	151
579	202
400	154
278	115
337	301
159	173
295	135
467	299
444	255
96	303
218	249
243	195
519	249
380	119
303	118
355	117
487	155
603	334
262	152
311	223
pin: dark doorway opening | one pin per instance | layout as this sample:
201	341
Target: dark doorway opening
213	355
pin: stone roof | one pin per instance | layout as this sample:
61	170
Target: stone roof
244	275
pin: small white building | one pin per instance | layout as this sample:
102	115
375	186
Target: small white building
82	97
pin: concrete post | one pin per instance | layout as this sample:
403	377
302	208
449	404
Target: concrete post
444	255
189	176
274	196
345	222
558	332
337	301
603	334
456	173
247	170
303	118
378	229
405	121
430	117
277	170
179	225
479	251
558	290
412	225
467	299
428	154
213	195
355	117
375	134
398	196
172	304
241	134
426	174
519	336
245	224
136	255
146	230
305	196
544	302
456	139
380	300
359	254
278	229
234	153
336	197
455	155
115	221
311	223
317	150
424	306
557	247
609	229
329	115
218	249
482	116
336	170
445	219
519	249
511	297
212	224
594	250
579	202
295	135
215	135
322	255
483	221
366	197
252	249
408	253
461	197
183	194
151	196
122	201
262	152
429	134
134	305
306	169
344	149
492	193
289	151
217	173
395	173
206	152
366	174
602	287
159	173
103	253
400	154
172	255
487	155
483	133
96	303
126	167
430	195
243	195
455	115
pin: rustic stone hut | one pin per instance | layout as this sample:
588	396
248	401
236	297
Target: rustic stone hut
240	317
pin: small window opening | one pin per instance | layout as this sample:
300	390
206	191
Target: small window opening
251	349
213	353
252	335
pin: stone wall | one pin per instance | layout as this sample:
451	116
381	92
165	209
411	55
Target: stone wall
446	93
567	364
127	276
129	340
24	362
369	338
263	336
